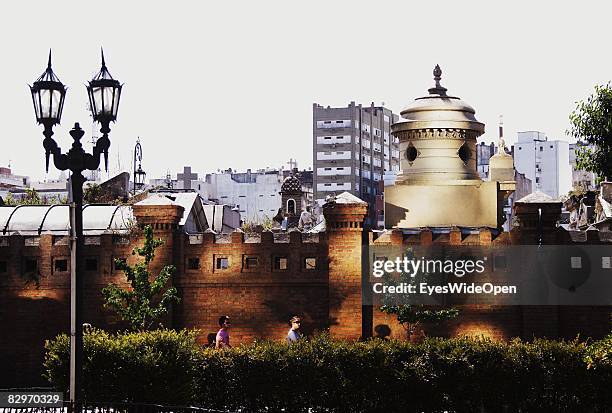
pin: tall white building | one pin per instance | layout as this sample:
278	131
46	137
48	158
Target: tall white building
352	151
546	163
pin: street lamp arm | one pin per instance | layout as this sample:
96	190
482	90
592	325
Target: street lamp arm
76	159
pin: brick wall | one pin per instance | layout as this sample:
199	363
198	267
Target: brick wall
264	281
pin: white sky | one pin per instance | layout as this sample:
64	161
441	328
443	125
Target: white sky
231	84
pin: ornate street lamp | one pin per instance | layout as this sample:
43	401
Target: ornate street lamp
48	95
139	174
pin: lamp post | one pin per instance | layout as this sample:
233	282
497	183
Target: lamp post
48	95
139	174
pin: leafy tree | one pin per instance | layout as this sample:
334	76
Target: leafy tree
146	301
92	194
591	125
408	314
10	200
31	197
411	315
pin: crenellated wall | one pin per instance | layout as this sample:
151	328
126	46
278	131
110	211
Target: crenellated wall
260	281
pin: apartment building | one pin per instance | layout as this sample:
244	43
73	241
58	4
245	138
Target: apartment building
545	162
352	150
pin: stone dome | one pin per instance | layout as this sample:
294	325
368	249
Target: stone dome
438	110
438	137
291	184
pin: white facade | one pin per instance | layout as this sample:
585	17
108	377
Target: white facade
256	198
8	179
545	162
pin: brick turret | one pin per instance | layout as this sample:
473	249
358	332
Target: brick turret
537	215
344	217
159	212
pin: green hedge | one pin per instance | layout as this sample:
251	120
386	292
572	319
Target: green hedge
151	367
462	375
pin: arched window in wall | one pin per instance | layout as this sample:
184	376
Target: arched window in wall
291	206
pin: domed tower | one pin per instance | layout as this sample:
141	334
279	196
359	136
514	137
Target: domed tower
291	197
438	184
438	137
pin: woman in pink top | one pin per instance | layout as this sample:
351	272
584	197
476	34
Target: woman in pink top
223	339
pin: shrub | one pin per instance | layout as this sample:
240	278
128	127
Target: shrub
156	366
460	375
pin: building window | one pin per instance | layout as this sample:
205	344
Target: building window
3	267
327	137
32	241
411	153
605	263
250	262
121	240
60	240
499	262
30	265
551	146
280	263
541	148
193	263
221	263
575	263
310	263
537	179
291	206
91	264
60	265
464	153
92	240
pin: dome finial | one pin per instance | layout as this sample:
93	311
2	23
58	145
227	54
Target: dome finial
49	63
438	89
437	72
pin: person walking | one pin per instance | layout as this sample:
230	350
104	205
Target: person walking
294	335
223	339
